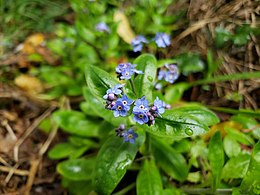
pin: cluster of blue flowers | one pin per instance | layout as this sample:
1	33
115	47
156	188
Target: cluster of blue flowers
161	39
169	73
144	113
121	105
126	70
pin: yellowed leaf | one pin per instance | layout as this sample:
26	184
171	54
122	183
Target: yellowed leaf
32	42
221	127
123	29
29	83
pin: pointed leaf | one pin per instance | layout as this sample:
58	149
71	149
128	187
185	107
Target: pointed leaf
149	180
177	124
236	167
216	158
144	83
250	183
99	81
75	122
113	159
172	162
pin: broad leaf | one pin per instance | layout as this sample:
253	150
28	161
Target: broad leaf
113	159
231	146
250	183
177	124
172	162
77	169
99	81
75	122
149	180
216	158
236	167
61	150
81	187
144	83
201	113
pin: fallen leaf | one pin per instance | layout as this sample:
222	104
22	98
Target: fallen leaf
123	29
32	42
29	83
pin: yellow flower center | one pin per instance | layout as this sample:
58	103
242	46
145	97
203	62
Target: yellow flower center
141	116
119	107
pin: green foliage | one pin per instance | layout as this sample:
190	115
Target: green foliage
149	180
216	158
113	159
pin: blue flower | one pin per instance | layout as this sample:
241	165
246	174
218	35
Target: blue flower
169	73
140	117
162	39
158	106
171	77
130	136
137	43
126	70
141	105
126	102
113	92
120	109
102	27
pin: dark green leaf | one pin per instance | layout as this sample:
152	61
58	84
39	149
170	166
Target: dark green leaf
75	122
114	157
177	124
216	158
149	180
236	167
99	81
172	162
251	181
231	146
77	169
144	83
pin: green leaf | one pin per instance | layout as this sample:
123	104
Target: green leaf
77	169
97	105
84	32
248	123
149	180
251	181
176	124
81	187
99	81
61	150
216	158
144	83
189	63
172	162
75	122
174	92
231	146
222	36
236	167
113	159
201	113
239	136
